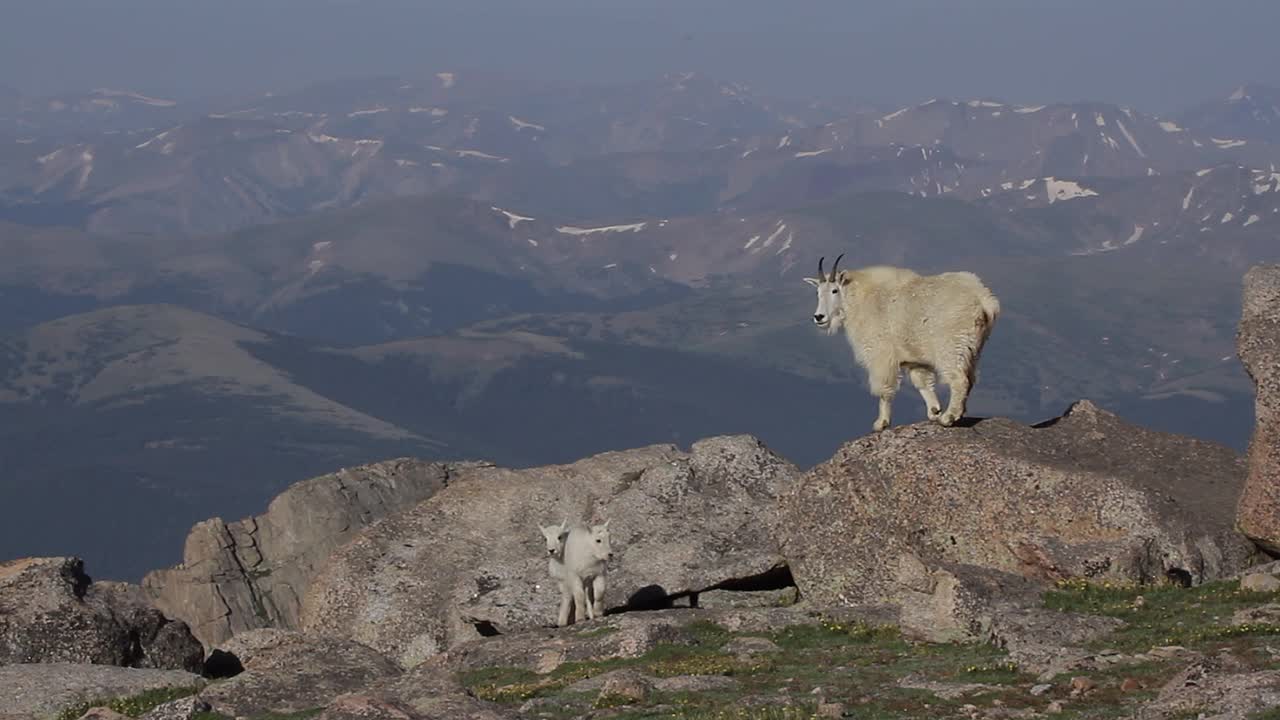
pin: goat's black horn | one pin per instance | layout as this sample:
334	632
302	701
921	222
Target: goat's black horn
834	265
820	275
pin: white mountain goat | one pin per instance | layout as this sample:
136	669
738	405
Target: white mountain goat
582	574
896	319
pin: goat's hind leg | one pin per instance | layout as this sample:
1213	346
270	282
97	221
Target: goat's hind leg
923	378
960	380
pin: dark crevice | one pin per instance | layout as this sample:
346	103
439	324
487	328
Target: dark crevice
134	655
485	628
221	665
1179	576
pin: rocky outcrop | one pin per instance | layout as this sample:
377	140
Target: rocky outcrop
41	690
1211	689
160	642
287	672
253	573
470	561
1083	496
1258	344
51	611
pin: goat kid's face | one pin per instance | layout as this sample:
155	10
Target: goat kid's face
829	315
600	542
555	536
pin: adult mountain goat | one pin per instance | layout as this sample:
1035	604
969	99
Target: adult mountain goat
897	319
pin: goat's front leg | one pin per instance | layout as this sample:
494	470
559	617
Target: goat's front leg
883	381
581	608
566	604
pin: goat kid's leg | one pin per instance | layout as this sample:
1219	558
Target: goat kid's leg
581	610
883	381
924	379
597	595
566	604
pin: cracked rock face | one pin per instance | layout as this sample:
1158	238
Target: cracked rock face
52	612
1086	495
471	560
1258	345
253	573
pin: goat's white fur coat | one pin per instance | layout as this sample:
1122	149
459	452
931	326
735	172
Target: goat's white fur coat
897	319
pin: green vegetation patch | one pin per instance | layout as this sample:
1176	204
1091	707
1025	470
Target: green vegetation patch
131	706
1167	614
875	672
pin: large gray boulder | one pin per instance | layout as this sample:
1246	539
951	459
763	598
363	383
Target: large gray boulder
1258	344
252	573
1084	496
45	689
287	672
51	611
470	561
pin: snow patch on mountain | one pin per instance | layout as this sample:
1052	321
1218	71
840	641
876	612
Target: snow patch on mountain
1057	190
522	124
512	218
571	230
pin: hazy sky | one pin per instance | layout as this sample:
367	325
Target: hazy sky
1153	54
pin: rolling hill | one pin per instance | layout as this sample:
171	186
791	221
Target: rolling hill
203	302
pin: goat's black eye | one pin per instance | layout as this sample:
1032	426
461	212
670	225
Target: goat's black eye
834	291
597	540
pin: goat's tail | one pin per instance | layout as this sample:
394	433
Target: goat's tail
983	324
990	311
990	307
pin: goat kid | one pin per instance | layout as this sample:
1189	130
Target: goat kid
578	558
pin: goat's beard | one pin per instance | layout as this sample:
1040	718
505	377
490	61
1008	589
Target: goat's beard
834	326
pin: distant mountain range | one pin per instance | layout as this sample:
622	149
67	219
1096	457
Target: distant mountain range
203	302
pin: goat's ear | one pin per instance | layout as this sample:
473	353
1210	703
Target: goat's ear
812	281
845	279
605	525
